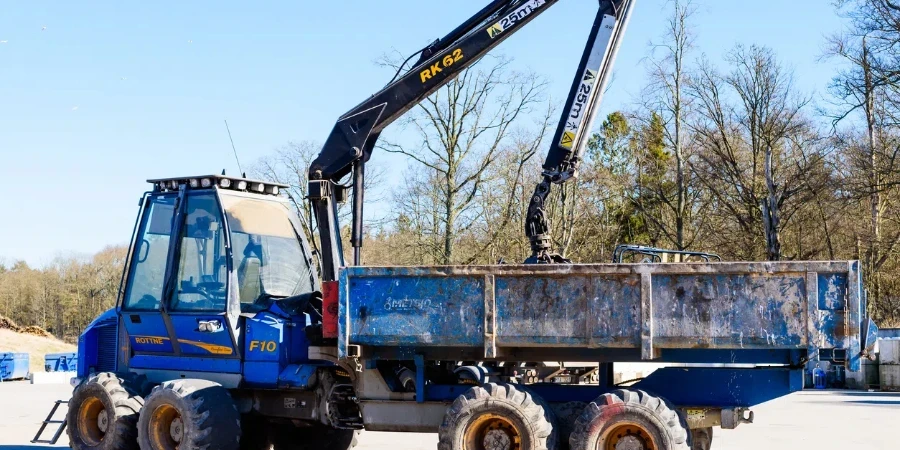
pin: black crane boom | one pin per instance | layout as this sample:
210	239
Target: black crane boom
353	138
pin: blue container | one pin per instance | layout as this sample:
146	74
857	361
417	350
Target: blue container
820	378
13	366
60	362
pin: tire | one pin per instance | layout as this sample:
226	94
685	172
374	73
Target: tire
189	415
496	413
702	438
566	416
316	437
103	414
633	415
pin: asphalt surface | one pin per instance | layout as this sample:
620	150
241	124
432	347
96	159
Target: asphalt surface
821	420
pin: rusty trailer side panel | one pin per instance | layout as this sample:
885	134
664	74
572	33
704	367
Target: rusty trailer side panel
804	306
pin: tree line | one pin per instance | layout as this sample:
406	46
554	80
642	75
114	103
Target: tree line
728	156
63	296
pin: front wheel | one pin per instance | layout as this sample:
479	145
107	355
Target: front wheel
103	414
189	414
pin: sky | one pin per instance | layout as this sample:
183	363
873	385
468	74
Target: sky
96	97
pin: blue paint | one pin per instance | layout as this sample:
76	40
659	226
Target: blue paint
98	345
888	333
13	366
832	291
60	362
694	386
194	342
722	387
415	310
265	340
147	332
420	378
297	376
738	307
186	363
263	374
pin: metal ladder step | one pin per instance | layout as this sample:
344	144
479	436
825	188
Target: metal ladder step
49	420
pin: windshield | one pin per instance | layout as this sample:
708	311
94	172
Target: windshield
268	254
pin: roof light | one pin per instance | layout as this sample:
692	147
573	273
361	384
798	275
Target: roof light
206	182
259	187
173	185
242	185
195	183
225	183
161	185
272	190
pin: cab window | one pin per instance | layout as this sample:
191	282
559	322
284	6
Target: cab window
202	269
151	249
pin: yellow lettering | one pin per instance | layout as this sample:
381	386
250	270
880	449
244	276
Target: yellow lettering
436	69
254	344
271	346
426	75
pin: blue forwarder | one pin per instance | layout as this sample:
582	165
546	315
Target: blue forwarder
227	334
223	339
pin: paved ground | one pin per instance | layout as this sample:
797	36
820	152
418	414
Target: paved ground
817	420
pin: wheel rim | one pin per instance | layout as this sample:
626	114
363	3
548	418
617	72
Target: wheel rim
627	436
92	421
166	428
492	432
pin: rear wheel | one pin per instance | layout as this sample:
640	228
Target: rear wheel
633	420
103	414
497	417
189	414
316	437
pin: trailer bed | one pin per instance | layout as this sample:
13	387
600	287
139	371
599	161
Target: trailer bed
742	312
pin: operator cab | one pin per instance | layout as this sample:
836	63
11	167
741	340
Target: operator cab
208	253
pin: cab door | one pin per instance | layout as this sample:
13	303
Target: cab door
141	307
198	292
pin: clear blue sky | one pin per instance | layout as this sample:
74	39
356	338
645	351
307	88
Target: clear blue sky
112	93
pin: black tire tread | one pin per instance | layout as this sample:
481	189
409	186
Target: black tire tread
566	416
506	396
206	405
126	403
640	402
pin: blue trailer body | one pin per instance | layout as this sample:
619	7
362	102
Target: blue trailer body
61	362
13	366
646	308
758	314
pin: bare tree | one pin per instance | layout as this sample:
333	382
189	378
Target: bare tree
461	129
863	93
755	142
665	97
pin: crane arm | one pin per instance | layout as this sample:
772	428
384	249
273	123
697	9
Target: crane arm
354	136
573	132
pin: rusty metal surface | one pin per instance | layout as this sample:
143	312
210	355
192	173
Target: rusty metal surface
790	305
